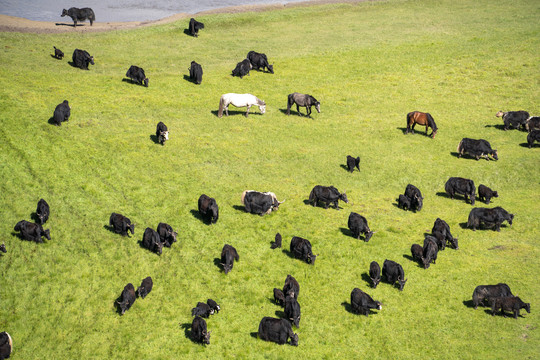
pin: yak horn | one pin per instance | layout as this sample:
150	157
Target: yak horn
281	202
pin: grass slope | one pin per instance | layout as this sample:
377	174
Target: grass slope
369	64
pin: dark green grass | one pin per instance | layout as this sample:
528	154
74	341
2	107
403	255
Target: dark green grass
369	64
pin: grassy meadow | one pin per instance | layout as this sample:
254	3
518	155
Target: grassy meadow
369	64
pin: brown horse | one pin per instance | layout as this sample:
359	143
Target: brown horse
417	117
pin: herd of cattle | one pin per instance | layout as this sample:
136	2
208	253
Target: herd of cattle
261	203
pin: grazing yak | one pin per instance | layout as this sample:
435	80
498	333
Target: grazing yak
121	224
291	287
301	249
77	14
476	148
327	195
32	231
485	194
440	227
394	272
352	163
199	333
42	211
511	303
279	298
166	234
214	305
417	253
6	345
59	54
516	119
429	252
415	196
242	68
375	273
458	185
194	27
362	302
3	248
532	137
137	75
127	298
146	287
228	255
277	242
404	202
292	310
359	225
260	203
277	330
81	59
202	310
152	241
208	208
259	61
195	73
62	112
532	123
304	100
489	292
162	133
489	217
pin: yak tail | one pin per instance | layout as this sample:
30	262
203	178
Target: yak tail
459	147
220	111
472	221
290	101
312	196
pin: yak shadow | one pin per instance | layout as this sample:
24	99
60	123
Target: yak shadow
526	145
197	215
288	253
54	57
189	79
367	279
280	314
465	156
64	24
110	228
346	232
409	257
443	194
496	126
52	122
307	202
154	138
348	307
463	225
468	303
239	208
130	81
254	335
34	217
345	167
187	331
187	32
217	262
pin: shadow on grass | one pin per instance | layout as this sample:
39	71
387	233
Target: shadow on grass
468	303
64	24
155	139
443	194
288	253
241	208
409	257
129	81
187	332
217	262
34	217
280	314
349	309
367	279
197	215
347	232
254	335
496	126
403	129
52	122
238	112
111	229
189	79
296	113
187	32
526	145
54	57
346	168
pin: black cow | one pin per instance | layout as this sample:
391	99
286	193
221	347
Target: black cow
121	224
77	14
32	231
430	251
291	287
441	227
515	119
476	148
162	133
195	73
532	137
301	248
404	202
414	194
199	333
214	305
242	68
208	208
362	302
127	298
146	287
326	194
137	75
292	310
489	292
532	123
279	298
228	255
485	194
42	211
203	310
394	272
375	273
166	234
81	59
417	253
511	303
359	225
152	241
259	61
352	163
6	345
3	248
458	185
62	112
277	242
277	330
260	203
194	27
489	217
438	239
59	54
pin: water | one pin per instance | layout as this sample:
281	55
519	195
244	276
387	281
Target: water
119	10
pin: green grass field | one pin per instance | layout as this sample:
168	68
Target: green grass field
369	64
